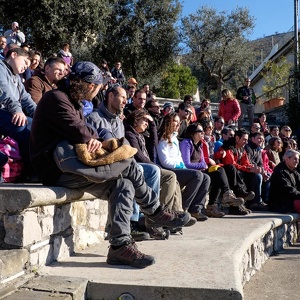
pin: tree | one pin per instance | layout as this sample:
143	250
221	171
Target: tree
142	34
276	75
217	44
49	23
177	81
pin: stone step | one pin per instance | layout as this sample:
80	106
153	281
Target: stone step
211	260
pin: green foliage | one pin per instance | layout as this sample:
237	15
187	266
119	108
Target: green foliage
142	34
276	74
177	82
49	23
218	45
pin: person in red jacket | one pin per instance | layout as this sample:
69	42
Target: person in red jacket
232	154
229	108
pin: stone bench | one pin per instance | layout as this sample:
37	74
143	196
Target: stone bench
48	223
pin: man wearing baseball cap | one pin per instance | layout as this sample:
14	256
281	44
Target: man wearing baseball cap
14	35
59	117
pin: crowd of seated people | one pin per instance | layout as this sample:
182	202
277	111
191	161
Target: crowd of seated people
200	164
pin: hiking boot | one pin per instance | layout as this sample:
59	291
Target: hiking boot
237	210
230	199
214	212
136	232
248	196
158	233
166	217
199	216
129	254
247	210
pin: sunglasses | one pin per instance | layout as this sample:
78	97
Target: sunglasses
199	130
287	129
188	111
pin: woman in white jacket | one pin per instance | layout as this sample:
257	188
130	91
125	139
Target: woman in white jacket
194	182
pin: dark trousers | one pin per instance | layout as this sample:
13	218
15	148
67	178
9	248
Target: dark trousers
218	184
196	185
235	179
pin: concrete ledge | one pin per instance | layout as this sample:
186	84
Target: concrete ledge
17	197
212	260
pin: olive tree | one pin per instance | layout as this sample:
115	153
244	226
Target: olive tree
217	44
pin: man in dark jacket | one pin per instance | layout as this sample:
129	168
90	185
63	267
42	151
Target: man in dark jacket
245	94
59	117
285	185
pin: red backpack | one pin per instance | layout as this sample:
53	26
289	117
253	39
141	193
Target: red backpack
12	170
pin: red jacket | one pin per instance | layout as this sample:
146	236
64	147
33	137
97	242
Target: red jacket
232	158
229	110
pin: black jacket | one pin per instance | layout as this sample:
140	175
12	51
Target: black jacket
284	189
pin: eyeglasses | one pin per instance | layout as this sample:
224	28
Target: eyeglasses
287	129
199	130
188	111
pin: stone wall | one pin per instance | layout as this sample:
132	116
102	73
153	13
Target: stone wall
273	241
53	232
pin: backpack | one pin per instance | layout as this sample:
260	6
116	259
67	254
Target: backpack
12	170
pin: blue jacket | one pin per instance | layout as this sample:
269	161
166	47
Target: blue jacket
13	96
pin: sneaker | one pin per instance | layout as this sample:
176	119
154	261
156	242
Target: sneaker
137	234
129	254
158	233
248	196
177	230
199	216
167	218
213	211
237	210
191	222
230	199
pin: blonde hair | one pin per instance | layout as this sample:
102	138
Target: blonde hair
227	94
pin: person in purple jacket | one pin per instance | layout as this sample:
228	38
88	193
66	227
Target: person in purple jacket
193	158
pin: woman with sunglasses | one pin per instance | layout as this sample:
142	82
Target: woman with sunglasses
285	133
194	151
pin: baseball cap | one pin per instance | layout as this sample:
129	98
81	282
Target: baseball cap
87	71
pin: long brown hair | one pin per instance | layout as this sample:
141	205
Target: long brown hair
166	128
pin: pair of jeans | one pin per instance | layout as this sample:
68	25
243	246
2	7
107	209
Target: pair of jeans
152	178
120	194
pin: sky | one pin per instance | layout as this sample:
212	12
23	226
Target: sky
271	16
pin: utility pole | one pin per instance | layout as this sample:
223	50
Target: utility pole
296	10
